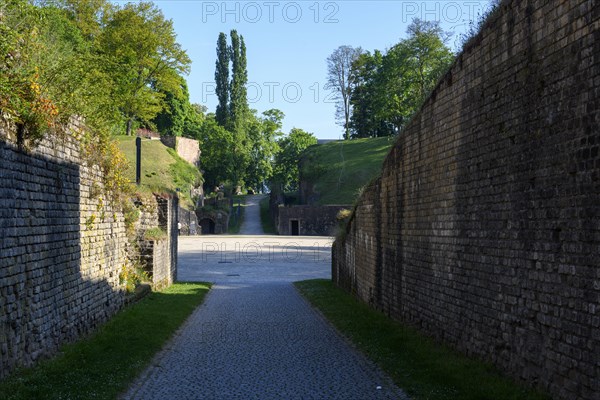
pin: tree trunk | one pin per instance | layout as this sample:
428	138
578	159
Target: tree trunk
128	129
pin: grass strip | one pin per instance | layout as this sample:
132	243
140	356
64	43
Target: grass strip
237	216
265	217
423	368
104	364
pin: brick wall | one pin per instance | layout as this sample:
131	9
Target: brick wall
61	251
484	227
62	248
312	220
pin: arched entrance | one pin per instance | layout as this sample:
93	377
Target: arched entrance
207	226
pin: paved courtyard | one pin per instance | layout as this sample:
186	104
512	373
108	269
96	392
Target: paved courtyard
255	337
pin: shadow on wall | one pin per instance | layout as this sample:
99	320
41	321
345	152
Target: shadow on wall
47	297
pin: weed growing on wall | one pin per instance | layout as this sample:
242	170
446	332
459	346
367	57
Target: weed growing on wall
476	25
131	276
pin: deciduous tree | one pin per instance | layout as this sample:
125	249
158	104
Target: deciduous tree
286	160
142	54
339	80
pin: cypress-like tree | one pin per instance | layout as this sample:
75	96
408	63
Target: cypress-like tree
222	81
238	102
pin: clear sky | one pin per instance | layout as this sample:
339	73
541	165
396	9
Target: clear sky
288	43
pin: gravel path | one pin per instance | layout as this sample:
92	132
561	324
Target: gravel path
255	337
251	224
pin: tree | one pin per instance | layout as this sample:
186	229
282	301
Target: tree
263	133
410	71
286	160
88	15
171	120
339	80
222	81
238	100
217	162
195	117
366	119
142	54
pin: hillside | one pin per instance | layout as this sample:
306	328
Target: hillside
162	169
334	173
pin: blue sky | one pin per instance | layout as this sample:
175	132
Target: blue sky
288	42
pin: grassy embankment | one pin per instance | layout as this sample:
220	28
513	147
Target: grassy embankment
422	367
104	364
339	170
163	171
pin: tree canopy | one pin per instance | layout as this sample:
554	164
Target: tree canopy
378	93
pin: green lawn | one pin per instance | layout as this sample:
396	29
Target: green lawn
162	168
338	170
423	368
103	365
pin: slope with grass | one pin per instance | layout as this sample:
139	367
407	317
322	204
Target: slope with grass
163	171
335	172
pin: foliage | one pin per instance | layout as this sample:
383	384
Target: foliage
262	135
131	276
238	99
385	90
218	162
420	366
286	160
222	81
412	68
83	67
367	119
141	53
37	47
103	365
171	120
156	233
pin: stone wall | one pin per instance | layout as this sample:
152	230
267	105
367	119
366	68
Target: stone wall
168	215
312	220
189	222
156	258
484	227
158	255
188	149
62	249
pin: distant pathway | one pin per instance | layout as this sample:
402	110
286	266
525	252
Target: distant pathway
251	224
255	337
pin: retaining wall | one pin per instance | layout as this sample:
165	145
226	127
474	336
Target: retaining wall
62	249
484	227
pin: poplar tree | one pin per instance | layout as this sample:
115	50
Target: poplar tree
222	81
238	102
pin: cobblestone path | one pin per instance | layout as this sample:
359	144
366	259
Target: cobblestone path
255	337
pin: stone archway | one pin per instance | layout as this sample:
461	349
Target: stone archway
207	226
